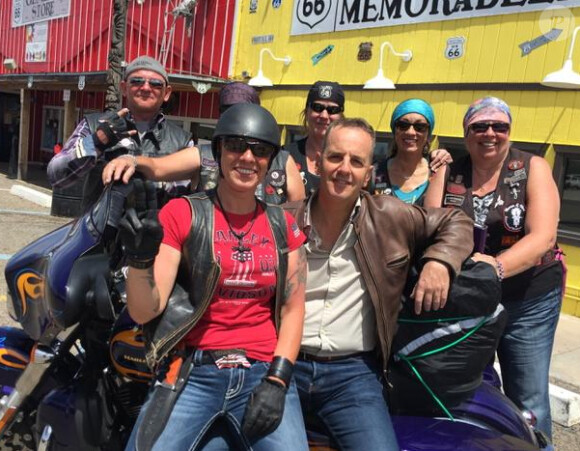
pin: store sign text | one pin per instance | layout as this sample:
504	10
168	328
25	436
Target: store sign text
30	11
322	16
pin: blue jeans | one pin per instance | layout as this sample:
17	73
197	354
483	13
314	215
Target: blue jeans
347	396
524	353
211	393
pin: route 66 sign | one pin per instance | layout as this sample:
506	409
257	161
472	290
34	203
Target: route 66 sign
312	12
455	47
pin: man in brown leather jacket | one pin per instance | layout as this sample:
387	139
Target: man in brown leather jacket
359	251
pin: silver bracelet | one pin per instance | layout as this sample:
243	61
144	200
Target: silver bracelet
500	270
132	157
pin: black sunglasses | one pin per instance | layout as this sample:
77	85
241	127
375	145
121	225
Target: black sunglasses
140	81
497	127
237	144
419	127
331	109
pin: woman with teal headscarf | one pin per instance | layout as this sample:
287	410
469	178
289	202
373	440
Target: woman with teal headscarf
407	172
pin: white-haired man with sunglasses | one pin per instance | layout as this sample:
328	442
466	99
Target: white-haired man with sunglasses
138	129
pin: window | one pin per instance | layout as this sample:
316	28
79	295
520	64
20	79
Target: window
535	148
455	146
567	175
382	146
293	133
52	127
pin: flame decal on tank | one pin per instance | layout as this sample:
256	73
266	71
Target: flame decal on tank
30	287
127	349
13	359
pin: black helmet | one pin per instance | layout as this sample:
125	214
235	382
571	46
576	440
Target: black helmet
247	120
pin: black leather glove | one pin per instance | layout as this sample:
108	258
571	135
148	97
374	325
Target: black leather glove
139	229
265	409
114	127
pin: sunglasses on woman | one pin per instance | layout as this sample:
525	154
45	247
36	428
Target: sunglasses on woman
239	145
497	127
419	127
331	109
140	81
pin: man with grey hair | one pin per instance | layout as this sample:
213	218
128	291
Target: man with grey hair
138	129
283	182
359	252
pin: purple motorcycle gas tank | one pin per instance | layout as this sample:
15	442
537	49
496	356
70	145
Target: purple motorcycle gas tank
488	421
428	434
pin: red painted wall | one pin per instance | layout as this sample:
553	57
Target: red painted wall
81	41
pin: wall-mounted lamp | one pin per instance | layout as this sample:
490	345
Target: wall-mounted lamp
10	64
82	82
380	81
30	81
260	79
565	78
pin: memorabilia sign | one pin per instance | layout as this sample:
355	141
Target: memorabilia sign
31	11
455	48
36	41
324	16
263	39
365	51
318	56
528	46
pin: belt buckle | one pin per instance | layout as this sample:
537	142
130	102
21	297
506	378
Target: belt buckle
230	358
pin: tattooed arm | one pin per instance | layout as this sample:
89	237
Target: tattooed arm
292	314
148	289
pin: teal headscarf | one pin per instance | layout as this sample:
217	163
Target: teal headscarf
418	106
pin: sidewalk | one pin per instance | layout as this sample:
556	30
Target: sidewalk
565	368
565	372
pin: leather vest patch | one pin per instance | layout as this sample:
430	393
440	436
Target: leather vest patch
514	216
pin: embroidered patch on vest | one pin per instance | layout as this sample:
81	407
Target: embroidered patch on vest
515	164
382	188
456	188
209	163
453	199
514	217
518	175
277	178
509	240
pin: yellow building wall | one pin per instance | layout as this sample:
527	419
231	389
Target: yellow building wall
492	55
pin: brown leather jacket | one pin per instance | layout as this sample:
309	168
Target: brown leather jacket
391	235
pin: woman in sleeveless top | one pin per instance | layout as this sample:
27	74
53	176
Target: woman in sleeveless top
224	351
324	104
407	172
514	201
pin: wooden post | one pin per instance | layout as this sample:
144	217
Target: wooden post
70	116
24	136
113	98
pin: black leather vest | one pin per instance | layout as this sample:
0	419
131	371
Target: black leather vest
298	151
198	276
505	219
507	213
163	139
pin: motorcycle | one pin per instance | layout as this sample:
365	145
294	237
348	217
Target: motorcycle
75	376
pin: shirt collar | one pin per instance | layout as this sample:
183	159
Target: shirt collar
308	226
